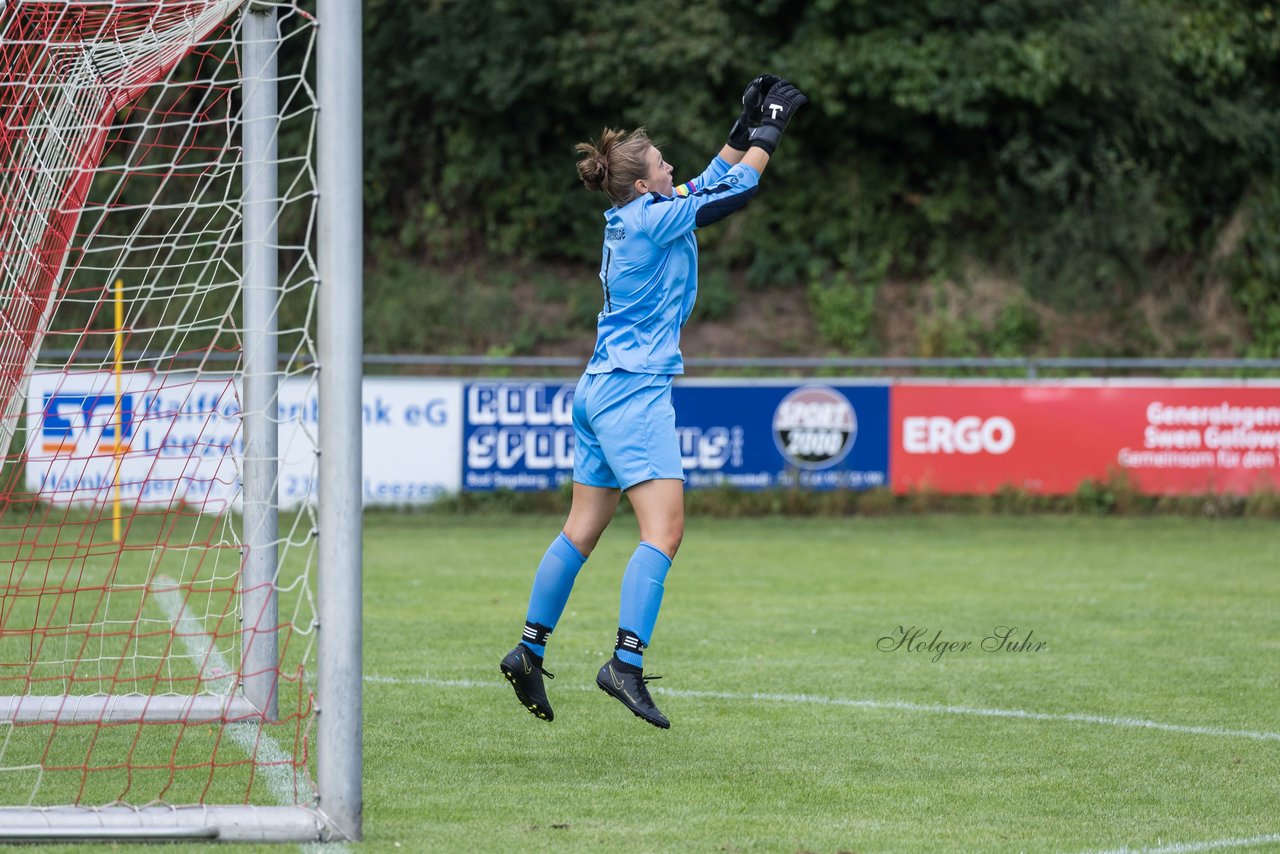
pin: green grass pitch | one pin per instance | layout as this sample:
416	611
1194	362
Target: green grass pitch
853	744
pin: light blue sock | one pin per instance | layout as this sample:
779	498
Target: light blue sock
551	587
642	597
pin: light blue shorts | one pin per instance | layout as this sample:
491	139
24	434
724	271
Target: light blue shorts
624	430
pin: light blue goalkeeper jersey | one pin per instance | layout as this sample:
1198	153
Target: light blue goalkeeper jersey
649	269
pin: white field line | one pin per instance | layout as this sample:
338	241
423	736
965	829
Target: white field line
257	744
1190	847
897	705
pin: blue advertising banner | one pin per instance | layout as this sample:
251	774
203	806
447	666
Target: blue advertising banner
518	434
758	436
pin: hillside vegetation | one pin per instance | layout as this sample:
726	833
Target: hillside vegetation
1002	177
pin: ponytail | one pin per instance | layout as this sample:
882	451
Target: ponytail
614	163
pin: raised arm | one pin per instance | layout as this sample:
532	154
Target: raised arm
768	103
666	218
740	134
721	191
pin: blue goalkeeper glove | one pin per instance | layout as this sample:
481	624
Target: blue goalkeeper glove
752	97
776	109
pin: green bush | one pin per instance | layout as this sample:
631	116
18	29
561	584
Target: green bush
1094	497
1071	143
1256	270
717	298
1263	504
412	308
1110	497
844	312
1016	331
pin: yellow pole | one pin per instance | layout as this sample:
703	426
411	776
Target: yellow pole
119	411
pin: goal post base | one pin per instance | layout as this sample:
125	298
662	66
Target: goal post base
160	823
104	708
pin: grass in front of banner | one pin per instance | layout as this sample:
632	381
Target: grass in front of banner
854	742
1165	620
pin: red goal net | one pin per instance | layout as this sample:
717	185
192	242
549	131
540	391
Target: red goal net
127	622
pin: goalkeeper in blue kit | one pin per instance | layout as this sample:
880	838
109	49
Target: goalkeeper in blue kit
624	424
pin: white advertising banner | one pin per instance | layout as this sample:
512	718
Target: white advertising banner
412	439
180	439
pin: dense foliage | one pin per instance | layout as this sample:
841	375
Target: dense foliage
1073	145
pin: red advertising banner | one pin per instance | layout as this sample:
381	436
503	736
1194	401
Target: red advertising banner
1047	437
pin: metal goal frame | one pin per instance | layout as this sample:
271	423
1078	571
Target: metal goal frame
337	811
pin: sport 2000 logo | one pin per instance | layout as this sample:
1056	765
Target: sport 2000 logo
814	427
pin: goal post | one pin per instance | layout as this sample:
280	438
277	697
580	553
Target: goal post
180	558
260	295
341	229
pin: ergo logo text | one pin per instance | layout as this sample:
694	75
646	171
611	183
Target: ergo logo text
937	434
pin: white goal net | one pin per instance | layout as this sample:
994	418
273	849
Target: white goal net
158	412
